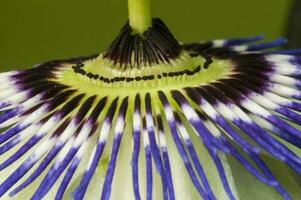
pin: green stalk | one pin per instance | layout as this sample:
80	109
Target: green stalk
140	18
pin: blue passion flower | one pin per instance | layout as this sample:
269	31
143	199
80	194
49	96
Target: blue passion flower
151	118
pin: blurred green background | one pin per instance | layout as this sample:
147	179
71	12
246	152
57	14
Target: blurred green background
34	31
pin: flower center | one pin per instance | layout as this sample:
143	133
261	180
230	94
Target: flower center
147	60
154	46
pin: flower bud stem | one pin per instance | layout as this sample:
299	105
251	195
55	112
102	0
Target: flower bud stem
140	18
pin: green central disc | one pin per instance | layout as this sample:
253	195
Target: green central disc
140	63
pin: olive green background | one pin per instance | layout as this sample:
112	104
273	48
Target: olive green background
33	31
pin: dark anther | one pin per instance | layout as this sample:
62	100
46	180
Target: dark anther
129	79
144	78
81	71
106	80
90	75
208	60
138	78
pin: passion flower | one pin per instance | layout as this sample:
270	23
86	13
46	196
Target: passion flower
151	118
